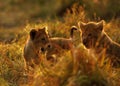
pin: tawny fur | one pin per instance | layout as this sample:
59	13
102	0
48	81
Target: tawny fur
82	60
95	38
59	45
38	38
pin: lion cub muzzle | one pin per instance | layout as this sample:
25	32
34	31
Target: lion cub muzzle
44	48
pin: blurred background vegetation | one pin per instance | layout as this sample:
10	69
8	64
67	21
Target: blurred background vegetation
18	12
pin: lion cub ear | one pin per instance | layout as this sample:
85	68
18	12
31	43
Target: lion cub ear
81	25
100	25
32	34
45	29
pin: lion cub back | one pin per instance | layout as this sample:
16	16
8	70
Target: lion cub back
59	45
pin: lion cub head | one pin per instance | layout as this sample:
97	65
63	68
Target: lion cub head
91	32
39	38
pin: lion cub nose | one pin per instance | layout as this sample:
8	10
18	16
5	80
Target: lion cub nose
84	42
49	46
42	49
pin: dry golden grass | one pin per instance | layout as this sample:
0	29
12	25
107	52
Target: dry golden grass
12	72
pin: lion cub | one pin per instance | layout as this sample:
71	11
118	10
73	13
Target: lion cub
36	43
58	45
94	38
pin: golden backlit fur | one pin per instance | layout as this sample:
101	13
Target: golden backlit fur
37	41
59	45
95	39
82	60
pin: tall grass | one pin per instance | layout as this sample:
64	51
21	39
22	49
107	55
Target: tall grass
13	73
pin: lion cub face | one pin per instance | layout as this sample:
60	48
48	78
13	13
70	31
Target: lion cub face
39	38
91	32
